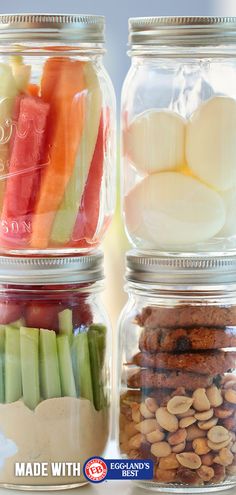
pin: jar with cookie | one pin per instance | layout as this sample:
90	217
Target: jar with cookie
177	370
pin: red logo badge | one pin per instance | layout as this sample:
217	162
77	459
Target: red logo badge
95	469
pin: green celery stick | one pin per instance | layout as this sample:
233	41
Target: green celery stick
95	369
82	369
48	365
2	352
18	323
29	348
66	372
13	383
65	322
101	331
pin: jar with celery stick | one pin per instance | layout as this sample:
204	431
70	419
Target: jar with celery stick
54	370
179	135
57	135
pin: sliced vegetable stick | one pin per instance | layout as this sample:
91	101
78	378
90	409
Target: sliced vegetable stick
2	353
29	348
65	123
65	364
66	216
13	382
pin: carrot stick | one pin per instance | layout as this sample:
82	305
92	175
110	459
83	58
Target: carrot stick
62	86
33	89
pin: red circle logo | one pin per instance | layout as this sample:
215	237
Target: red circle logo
95	469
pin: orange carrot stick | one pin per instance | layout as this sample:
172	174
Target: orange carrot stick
63	87
32	89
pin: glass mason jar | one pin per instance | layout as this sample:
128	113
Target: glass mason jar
57	133
54	370
179	135
177	371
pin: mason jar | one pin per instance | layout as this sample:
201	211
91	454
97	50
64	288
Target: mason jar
54	370
179	135
177	371
57	132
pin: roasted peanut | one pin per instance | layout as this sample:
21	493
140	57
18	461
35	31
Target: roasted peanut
155	436
225	457
151	404
214	396
230	396
218	446
200	446
223	412
188	476
219	473
208	459
130	429
218	434
160	449
136	440
200	400
189	460
207	425
169	462
136	414
146	426
194	432
167	420
205	415
179	448
185	422
206	473
146	413
178	437
179	404
165	476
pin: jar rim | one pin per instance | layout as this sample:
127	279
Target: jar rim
177	269
59	27
51	270
181	31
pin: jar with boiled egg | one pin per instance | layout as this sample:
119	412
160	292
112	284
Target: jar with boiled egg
179	135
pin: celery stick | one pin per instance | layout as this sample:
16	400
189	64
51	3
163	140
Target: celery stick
101	331
82	369
65	322
66	372
29	348
13	384
48	365
2	351
18	323
95	369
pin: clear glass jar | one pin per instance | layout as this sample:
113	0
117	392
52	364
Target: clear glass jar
179	135
177	371
54	370
57	134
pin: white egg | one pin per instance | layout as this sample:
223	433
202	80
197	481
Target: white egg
155	141
229	228
211	142
171	209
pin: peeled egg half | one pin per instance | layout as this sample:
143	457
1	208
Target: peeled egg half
171	209
155	141
211	142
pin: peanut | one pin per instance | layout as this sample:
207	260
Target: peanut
130	430
189	460
166	420
188	476
214	396
230	396
207	425
151	404
179	404
155	436
179	448
185	422
200	446
218	434
194	432
225	457
200	400
188	413
146	413
136	441
165	476
169	462
136	414
160	449
218	446
178	437
223	412
208	459
219	473
206	473
146	426
205	415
